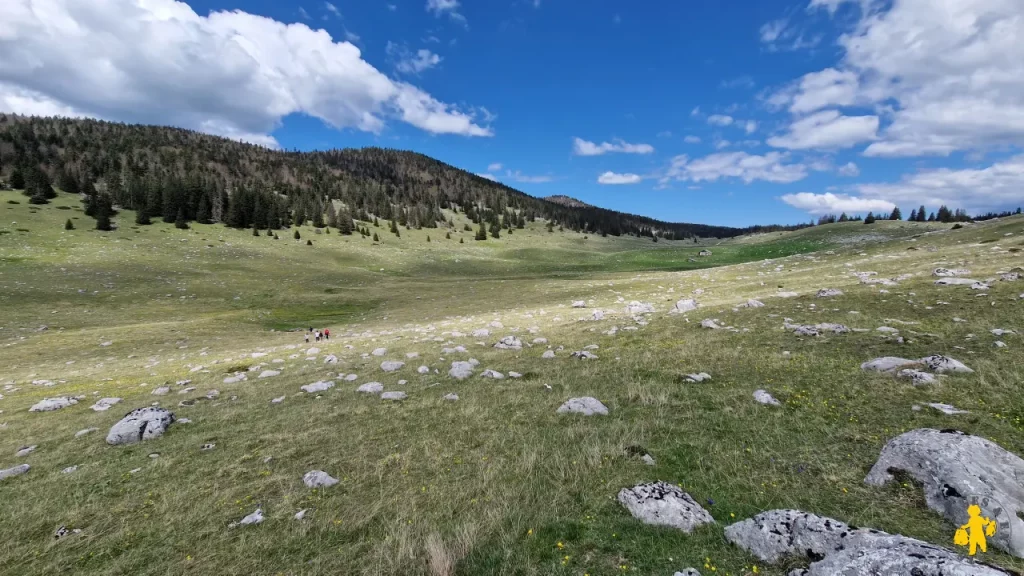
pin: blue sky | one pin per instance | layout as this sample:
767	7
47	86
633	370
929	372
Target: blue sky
731	113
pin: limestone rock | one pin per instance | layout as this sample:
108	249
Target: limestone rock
701	377
140	424
917	377
887	364
318	479
269	373
394	396
319	386
957	470
974	284
379	351
26	450
663	504
950	273
752	304
636	307
104	404
254	518
161	391
15	471
837	549
509	343
586	405
579	304
371	388
683	306
687	572
493	374
584	355
710	324
461	370
481	333
943	364
423	370
50	404
451	397
764	397
330	359
829	293
947	409
391	365
548	354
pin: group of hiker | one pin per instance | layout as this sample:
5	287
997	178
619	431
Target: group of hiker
318	335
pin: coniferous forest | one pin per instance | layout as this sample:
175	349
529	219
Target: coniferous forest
181	176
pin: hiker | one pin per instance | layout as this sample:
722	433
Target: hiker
327	333
307	337
317	333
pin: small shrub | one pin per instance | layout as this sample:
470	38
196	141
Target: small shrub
309	242
957	226
13	202
63	207
69	225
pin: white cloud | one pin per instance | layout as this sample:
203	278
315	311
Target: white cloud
491	177
692	140
495	167
351	37
999	186
849	169
720	120
449	7
750	126
332	9
407	62
161	63
722	144
771	167
771	31
613	178
695	111
303	13
827	129
523	178
829	203
392	7
583	147
949	71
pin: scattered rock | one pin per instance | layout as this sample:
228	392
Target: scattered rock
584	355
887	364
318	479
50	404
943	364
371	388
683	306
26	450
278	400
330	359
917	377
161	391
391	365
451	397
764	397
950	273
710	324
395	396
254	518
586	405
829	293
956	470
269	373
514	375
461	370
379	351
509	343
752	304
423	370
548	354
838	549
579	304
12	472
663	504
947	409
701	377
104	404
319	386
140	424
69	470
492	374
300	514
635	307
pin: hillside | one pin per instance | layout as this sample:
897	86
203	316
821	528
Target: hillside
180	175
567	201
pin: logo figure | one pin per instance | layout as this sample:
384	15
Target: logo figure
974	532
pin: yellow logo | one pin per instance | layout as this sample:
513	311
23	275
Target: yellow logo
974	532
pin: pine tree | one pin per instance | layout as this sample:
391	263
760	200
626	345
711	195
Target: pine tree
69	225
931	217
344	222
332	216
398	234
896	214
375	223
551	227
297	235
481	234
913	216
428	238
255	230
204	212
142	216
461	241
495	230
922	214
447	235
180	222
103	210
309	242
17	179
870	219
318	216
375	238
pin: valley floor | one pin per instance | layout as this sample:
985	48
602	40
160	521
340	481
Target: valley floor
496	482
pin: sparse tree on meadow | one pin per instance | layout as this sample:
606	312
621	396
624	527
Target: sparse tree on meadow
104	209
896	214
69	225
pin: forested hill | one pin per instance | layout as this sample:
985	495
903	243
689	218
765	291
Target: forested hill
181	175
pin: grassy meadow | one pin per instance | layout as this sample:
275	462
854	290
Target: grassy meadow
497	482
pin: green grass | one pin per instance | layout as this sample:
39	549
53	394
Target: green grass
493	483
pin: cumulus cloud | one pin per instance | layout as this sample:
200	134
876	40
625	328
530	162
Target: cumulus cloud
849	169
830	203
750	126
720	120
494	167
518	176
613	178
408	62
230	73
582	147
692	140
827	129
948	71
771	167
771	31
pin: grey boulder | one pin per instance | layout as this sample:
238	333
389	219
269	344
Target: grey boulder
886	364
829	293
586	405
394	396
763	397
319	386
50	404
663	504
12	472
509	343
943	364
461	370
391	365
837	549
682	306
371	388
140	424
318	479
957	470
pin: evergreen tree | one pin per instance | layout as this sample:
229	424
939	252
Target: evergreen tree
345	224
255	230
332	216
69	225
297	235
551	227
913	216
461	241
142	216
375	223
17	179
447	235
922	214
204	212
180	222
481	234
931	217
375	238
843	217
318	216
309	242
428	238
397	233
896	214
870	219
103	209
495	230
67	182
